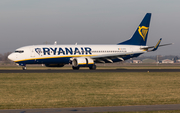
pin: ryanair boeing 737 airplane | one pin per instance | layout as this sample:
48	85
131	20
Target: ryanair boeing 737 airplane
86	55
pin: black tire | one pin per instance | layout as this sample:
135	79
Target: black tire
75	68
93	67
24	68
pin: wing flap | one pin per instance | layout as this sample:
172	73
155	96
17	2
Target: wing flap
109	57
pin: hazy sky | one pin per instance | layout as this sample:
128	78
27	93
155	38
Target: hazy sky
32	22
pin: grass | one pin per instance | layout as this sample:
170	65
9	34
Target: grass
168	111
55	90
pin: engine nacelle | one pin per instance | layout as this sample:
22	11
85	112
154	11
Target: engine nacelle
82	62
54	65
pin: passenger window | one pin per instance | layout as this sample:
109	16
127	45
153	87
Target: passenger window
19	51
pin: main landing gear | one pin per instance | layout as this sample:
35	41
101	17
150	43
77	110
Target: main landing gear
93	67
75	68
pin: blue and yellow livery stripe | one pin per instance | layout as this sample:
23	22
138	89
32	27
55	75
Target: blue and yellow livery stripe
68	56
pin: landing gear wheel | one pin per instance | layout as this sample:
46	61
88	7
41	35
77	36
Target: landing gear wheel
75	68
93	67
24	68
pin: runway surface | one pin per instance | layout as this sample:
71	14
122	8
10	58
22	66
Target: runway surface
97	109
89	71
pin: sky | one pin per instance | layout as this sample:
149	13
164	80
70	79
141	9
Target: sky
33	22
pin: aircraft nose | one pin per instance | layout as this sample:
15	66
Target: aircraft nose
11	57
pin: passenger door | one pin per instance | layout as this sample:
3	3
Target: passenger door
32	52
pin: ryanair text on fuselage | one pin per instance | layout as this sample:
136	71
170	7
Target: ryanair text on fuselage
65	51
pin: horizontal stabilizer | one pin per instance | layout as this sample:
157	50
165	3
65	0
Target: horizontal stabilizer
166	44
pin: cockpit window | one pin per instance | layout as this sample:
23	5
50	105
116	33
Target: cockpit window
19	51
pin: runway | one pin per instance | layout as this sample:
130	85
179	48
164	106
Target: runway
89	71
97	109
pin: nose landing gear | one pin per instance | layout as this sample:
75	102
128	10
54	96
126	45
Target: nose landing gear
24	67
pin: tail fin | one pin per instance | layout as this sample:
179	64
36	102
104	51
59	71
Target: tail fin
141	34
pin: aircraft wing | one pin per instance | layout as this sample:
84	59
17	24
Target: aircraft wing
156	46
109	57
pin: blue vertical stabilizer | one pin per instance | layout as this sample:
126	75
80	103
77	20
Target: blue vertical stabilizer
141	34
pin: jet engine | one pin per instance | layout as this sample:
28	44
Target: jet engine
83	62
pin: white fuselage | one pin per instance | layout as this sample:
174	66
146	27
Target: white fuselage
36	52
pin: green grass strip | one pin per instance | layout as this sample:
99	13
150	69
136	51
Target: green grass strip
168	111
55	90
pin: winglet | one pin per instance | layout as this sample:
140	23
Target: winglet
157	45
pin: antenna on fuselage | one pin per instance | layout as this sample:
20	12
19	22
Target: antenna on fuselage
55	43
76	43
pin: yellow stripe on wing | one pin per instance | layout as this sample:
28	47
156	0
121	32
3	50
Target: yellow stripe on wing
157	44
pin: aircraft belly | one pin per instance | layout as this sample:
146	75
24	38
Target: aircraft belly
55	60
48	60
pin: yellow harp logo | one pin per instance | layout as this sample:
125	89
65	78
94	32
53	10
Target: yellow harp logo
143	31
